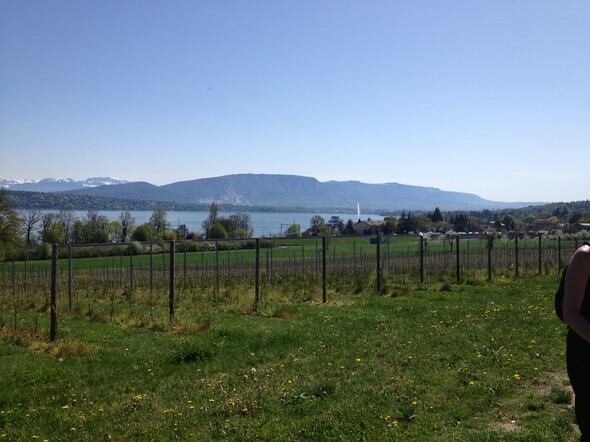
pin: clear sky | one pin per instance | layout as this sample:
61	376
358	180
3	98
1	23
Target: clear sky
486	97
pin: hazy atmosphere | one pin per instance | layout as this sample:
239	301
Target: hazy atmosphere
490	98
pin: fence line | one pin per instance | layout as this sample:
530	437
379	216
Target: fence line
293	266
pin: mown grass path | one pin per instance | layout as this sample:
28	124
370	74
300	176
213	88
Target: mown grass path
454	362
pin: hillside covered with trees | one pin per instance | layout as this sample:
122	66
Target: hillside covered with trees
36	228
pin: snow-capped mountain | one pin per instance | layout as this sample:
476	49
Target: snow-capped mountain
57	184
6	183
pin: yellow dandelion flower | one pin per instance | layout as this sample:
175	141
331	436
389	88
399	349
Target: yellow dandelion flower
65	407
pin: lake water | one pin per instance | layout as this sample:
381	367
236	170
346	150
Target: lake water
263	223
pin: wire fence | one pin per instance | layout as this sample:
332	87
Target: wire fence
154	282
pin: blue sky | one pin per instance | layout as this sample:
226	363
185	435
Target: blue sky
485	97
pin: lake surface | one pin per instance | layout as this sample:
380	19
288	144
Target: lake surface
263	223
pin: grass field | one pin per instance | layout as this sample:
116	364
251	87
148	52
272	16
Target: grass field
479	362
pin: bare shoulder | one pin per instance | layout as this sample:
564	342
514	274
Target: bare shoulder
581	258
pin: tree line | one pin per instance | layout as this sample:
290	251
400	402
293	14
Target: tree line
34	227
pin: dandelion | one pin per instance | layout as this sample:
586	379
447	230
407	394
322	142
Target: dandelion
65	407
358	359
516	376
471	382
73	429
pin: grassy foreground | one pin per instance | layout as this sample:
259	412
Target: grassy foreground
448	362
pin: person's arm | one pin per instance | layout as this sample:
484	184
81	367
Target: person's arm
578	271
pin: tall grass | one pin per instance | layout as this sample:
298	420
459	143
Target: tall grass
438	361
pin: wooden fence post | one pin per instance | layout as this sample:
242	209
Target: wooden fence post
131	276
172	272
540	255
151	267
379	276
421	259
53	313
490	246
516	254
324	270
216	269
70	277
559	261
257	277
458	259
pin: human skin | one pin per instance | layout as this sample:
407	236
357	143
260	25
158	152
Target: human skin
576	278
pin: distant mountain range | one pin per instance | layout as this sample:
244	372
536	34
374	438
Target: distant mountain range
57	184
276	191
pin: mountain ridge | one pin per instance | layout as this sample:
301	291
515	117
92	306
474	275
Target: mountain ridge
57	184
276	190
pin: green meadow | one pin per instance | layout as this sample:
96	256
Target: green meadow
482	361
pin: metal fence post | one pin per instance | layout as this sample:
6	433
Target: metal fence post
324	297
53	320
458	259
421	259
490	246
257	277
172	265
540	255
70	277
378	264
516	254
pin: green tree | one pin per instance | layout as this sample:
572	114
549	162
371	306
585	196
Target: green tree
47	221
390	225
95	228
116	231
159	222
66	218
240	225
182	231
211	219
55	234
349	229
217	231
293	230
127	224
436	216
143	232
9	224
336	225
317	225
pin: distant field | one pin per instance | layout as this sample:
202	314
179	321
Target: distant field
470	362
